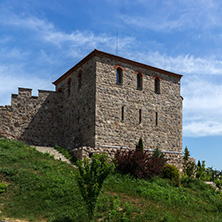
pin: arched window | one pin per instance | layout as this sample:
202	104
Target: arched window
69	85
157	85
119	76
139	81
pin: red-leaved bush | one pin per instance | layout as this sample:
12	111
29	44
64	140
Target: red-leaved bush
137	163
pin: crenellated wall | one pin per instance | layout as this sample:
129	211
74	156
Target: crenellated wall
34	119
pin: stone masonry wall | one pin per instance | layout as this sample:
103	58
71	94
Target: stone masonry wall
79	106
110	97
34	119
65	117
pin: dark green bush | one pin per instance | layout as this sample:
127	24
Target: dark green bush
218	183
172	173
139	146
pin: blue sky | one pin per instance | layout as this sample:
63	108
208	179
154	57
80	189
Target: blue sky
40	40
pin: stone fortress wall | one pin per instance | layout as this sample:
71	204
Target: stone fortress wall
34	119
90	112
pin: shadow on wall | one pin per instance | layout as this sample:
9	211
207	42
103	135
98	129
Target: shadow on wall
37	120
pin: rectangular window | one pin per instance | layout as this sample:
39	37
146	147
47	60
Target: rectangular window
69	88
156	118
140	116
78	117
122	114
79	81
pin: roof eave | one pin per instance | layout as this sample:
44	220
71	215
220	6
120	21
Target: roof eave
114	57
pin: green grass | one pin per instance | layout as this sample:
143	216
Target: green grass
66	153
39	188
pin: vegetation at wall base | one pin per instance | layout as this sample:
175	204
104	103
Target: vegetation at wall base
40	188
66	153
139	146
157	153
138	164
172	173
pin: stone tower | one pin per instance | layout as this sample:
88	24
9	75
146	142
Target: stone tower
104	102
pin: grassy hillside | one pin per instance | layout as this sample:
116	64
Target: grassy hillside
40	188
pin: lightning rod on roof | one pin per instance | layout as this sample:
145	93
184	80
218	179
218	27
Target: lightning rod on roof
117	40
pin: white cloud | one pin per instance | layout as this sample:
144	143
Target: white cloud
12	77
202	106
177	15
183	64
202	128
50	34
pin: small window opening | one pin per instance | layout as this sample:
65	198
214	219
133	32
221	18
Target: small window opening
157	85
69	86
139	81
119	76
122	114
156	118
78	117
79	80
140	116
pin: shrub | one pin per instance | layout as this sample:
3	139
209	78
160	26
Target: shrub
138	164
3	187
201	171
92	174
188	164
172	173
218	183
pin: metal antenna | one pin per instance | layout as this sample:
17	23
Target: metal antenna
117	40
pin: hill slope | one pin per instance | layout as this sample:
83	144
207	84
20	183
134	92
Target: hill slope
40	188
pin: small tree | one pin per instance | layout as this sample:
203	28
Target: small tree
188	164
139	146
157	153
201	170
91	177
